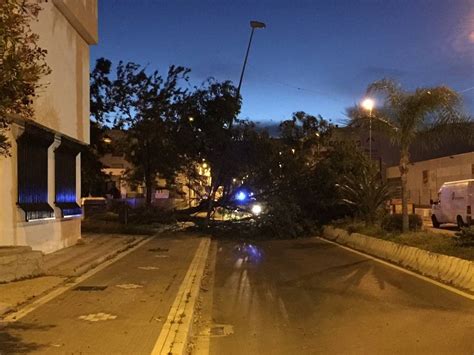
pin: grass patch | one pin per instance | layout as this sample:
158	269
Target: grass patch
434	242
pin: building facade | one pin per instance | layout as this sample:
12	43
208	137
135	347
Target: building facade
40	188
426	177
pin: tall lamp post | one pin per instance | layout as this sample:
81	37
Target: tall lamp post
368	104
253	25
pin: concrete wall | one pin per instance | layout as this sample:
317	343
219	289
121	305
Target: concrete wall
422	188
66	28
64	104
44	235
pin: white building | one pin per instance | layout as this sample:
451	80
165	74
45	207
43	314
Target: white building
426	177
40	188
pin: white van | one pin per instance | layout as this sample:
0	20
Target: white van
455	203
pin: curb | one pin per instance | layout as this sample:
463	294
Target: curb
47	296
82	269
177	329
89	266
5	308
450	270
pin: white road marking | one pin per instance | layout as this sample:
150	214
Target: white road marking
13	317
97	317
148	268
129	286
399	268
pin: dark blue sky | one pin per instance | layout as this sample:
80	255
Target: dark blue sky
315	55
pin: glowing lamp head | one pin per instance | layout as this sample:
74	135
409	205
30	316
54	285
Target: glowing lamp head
368	104
256	209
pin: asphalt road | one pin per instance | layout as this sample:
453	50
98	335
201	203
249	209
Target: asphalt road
310	297
123	315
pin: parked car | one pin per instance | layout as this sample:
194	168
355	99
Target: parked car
454	205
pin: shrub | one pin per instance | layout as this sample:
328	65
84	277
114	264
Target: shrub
393	222
465	237
283	220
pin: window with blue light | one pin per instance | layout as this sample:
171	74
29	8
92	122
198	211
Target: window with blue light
65	178
32	158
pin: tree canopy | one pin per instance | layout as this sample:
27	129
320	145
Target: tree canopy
22	63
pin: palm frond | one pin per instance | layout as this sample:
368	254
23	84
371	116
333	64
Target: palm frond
390	89
366	192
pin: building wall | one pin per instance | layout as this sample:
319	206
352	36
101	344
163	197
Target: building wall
63	105
66	29
426	177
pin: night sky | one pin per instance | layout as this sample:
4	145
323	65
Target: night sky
316	56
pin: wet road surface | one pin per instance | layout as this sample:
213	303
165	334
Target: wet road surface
311	297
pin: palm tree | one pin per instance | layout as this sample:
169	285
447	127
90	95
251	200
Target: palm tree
366	192
427	115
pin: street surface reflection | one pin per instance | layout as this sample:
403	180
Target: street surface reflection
247	253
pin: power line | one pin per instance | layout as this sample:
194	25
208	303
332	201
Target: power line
468	89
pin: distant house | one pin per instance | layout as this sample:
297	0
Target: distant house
184	191
40	187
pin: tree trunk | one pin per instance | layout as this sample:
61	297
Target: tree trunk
210	200
148	187
404	160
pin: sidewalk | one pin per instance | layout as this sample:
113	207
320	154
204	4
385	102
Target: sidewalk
92	250
67	263
140	302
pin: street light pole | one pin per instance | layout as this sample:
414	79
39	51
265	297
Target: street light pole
368	104
253	25
212	196
370	134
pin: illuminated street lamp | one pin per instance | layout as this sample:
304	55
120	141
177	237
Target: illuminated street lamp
368	105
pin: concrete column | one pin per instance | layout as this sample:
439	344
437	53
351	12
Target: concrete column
52	176
78	179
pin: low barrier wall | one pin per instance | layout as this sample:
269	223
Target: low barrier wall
20	262
448	269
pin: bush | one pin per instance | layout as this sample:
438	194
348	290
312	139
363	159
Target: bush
465	237
393	222
283	220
